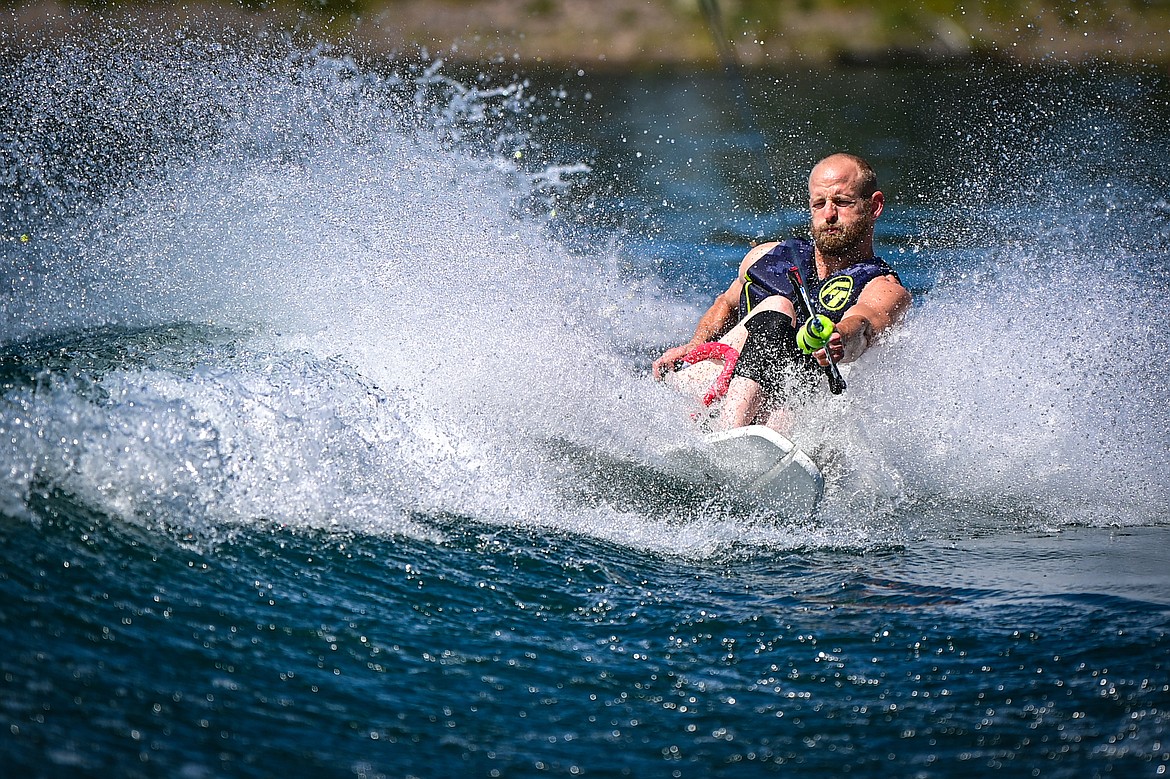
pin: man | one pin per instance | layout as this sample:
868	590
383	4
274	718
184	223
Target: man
757	315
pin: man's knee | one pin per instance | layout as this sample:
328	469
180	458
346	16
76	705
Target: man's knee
770	349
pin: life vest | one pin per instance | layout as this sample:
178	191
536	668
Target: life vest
831	296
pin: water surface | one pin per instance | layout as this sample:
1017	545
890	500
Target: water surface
298	353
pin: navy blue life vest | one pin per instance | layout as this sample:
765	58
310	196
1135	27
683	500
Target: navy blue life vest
831	296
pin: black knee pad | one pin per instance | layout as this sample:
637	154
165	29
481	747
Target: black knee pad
770	350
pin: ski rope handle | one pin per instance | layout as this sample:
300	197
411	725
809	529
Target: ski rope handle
723	352
836	381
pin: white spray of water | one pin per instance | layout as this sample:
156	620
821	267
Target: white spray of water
411	339
406	341
1030	388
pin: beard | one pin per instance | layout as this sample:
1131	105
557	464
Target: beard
843	240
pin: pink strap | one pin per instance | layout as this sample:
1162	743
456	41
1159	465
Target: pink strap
714	349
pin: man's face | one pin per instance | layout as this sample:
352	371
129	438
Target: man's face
842	220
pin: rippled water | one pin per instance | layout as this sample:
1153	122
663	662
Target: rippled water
310	365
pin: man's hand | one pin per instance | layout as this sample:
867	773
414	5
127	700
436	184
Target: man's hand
666	363
850	338
835	347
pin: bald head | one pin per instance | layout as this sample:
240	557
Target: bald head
843	165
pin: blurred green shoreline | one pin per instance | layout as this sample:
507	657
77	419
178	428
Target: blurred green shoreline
637	34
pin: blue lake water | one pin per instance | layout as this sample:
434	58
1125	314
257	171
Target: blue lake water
309	365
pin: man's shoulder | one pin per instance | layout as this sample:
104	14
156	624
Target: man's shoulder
886	292
787	252
792	245
872	268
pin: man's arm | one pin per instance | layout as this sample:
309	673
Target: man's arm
881	305
719	318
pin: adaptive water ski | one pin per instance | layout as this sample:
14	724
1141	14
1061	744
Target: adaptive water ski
757	463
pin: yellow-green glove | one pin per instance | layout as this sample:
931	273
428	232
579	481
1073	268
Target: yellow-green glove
814	333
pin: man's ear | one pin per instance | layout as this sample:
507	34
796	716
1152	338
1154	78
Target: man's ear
877	202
